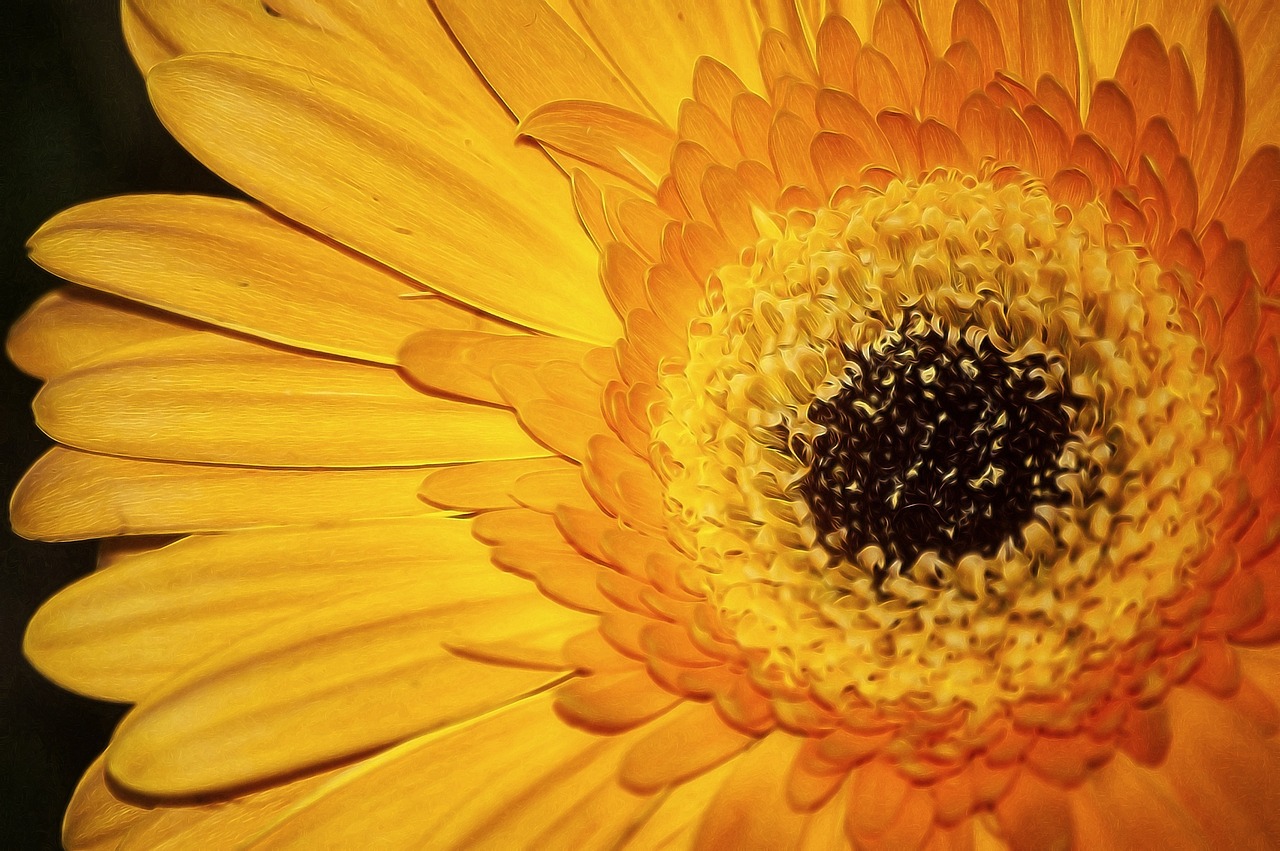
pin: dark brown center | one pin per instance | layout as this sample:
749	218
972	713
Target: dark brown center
934	445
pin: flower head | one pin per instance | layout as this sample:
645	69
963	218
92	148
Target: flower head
801	426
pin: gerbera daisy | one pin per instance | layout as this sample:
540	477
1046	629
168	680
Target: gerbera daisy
677	424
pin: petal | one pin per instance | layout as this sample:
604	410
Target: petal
485	485
1123	805
1220	127
98	820
71	496
122	632
624	143
461	363
186	254
417	193
354	675
1223	770
679	31
1049	43
1034	815
612	703
226	401
532	56
512	770
70	328
687	743
750	810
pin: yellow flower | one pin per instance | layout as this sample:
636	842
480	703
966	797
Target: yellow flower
804	425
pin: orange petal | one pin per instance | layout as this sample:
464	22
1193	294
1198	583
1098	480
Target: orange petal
531	56
789	139
897	33
70	328
1144	72
482	486
838	46
185	253
1035	815
750	809
692	741
1223	770
973	22
1220	125
715	86
1049	43
876	794
628	145
391	188
1123	805
461	363
1111	120
613	703
879	86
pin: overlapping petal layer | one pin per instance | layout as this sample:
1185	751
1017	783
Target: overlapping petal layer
352	663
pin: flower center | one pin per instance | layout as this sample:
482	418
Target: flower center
933	444
939	444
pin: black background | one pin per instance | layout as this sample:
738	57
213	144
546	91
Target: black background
74	125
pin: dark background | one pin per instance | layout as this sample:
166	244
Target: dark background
74	125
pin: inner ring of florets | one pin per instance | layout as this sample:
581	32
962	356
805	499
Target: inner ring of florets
1052	304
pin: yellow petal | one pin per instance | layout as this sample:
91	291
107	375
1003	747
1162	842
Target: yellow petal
750	810
223	401
624	143
531	55
422	193
680	32
461	362
690	741
122	632
186	254
468	786
350	675
70	328
71	496
675	822
485	485
96	819
99	820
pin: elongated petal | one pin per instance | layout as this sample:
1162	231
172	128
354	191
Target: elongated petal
99	820
228	402
417	193
680	31
686	743
531	55
516	763
234	265
353	678
461	363
631	146
120	633
485	485
1220	127
70	495
71	328
750	810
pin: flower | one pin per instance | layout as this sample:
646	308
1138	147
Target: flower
883	455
